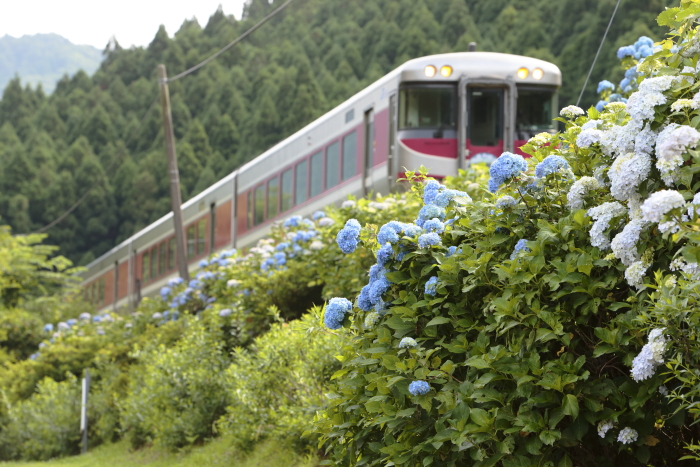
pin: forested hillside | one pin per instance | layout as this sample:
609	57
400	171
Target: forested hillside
43	59
307	60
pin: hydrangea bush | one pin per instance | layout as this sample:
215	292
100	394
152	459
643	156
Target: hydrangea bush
555	320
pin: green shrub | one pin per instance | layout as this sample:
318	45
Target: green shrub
46	425
175	393
277	384
530	344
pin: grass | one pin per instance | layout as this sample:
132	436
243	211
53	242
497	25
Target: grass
216	453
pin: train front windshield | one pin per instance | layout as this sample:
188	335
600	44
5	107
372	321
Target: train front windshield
536	109
428	107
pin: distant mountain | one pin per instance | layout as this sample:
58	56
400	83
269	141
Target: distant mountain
44	58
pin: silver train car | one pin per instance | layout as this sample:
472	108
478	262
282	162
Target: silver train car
441	111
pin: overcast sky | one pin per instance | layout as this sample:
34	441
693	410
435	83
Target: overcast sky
93	22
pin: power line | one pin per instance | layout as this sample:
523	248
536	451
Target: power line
597	53
100	179
231	44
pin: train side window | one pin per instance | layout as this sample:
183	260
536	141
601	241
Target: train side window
273	201
154	262
316	174
249	215
332	165
259	204
349	156
190	242
171	254
161	258
145	267
201	236
101	291
301	179
287	187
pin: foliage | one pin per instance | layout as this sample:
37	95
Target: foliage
308	60
527	340
277	384
46	425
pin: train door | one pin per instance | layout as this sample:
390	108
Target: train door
368	157
486	108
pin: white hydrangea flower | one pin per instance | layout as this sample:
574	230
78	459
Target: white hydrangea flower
571	111
588	136
233	283
602	215
696	98
590	124
620	139
627	435
691	208
671	282
614	107
540	139
316	245
657	84
634	274
348	203
660	203
663	390
691	269
645	140
378	206
599	174
670	150
634	204
627	172
670	226
624	245
579	189
506	201
681	104
603	427
652	356
640	104
325	222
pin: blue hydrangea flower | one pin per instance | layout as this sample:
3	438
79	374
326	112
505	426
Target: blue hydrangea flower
631	73
390	232
336	310
72	322
280	258
63	326
520	246
601	105
225	312
428	240
318	215
605	85
431	286
204	263
292	221
85	316
348	236
419	388
282	246
165	293
195	284
506	201
444	198
363	300
550	165
411	230
451	251
175	281
267	264
378	288
644	41
407	343
431	190
624	83
507	166
625	51
643	52
384	254
434	225
429	211
48	327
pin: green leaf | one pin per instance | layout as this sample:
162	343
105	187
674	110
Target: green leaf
570	405
550	436
438	320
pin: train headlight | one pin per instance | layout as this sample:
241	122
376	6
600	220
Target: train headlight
537	73
523	73
446	71
430	71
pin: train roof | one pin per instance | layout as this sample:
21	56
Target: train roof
468	64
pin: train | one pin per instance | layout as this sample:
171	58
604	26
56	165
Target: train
440	111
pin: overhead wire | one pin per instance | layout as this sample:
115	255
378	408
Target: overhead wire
176	77
232	43
75	205
595	59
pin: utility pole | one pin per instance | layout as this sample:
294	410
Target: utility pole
83	411
175	196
